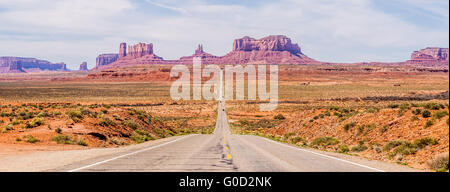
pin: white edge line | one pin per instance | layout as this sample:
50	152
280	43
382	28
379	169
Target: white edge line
335	158
132	153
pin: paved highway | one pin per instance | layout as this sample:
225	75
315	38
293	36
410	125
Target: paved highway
224	152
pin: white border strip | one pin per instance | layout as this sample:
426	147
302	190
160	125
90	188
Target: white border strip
335	158
139	151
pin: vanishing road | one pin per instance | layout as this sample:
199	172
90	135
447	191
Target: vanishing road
223	151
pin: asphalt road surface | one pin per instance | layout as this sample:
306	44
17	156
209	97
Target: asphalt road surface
224	152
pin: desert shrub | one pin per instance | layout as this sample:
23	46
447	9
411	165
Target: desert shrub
414	118
244	122
30	139
348	126
392	144
104	111
279	117
140	136
37	121
338	114
433	106
440	114
130	123
316	117
62	139
343	148
405	148
426	114
417	111
370	127
106	121
26	115
429	123
17	122
58	130
118	141
372	110
160	132
361	129
9	127
360	147
117	117
265	123
75	115
288	135
423	142
324	141
43	114
85	111
81	141
393	106
404	107
295	140
384	128
439	162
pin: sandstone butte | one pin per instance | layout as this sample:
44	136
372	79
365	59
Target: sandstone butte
268	50
275	49
83	67
23	65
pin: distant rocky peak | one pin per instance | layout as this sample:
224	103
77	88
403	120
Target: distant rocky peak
269	43
199	50
434	53
83	66
140	50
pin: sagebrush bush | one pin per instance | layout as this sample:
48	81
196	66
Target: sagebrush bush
37	121
62	139
30	139
295	140
324	142
343	148
348	126
426	114
140	136
130	123
106	121
279	117
439	162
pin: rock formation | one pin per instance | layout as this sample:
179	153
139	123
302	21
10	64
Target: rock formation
83	66
276	49
270	43
431	53
140	50
123	50
269	50
20	64
206	57
105	59
429	57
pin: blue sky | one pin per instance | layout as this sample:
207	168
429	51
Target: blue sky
74	31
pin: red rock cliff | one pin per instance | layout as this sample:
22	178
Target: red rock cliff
83	66
140	50
105	59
